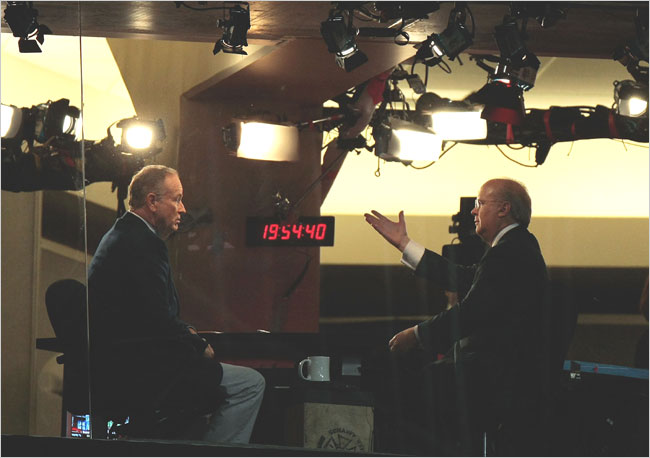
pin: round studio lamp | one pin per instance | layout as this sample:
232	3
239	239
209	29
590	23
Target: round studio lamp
631	98
502	103
12	119
141	137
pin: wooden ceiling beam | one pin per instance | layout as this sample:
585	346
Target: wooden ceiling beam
590	29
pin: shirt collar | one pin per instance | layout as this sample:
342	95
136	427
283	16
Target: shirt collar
502	233
145	222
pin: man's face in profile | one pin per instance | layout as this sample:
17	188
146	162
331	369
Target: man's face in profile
486	215
169	207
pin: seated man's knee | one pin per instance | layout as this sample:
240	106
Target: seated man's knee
259	381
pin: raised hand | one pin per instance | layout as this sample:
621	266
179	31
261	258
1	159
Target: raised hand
394	232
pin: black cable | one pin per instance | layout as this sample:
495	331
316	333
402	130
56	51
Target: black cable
571	148
402	33
299	278
433	162
513	160
445	151
422	168
629	142
471	16
447	70
320	178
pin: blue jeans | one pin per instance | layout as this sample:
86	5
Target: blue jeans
234	420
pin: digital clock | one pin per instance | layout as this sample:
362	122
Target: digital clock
307	231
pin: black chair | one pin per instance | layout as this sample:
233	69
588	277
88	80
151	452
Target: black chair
66	307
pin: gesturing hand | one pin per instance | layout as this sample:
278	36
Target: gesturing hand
394	232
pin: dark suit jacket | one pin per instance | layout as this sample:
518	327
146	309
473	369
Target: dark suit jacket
499	326
138	341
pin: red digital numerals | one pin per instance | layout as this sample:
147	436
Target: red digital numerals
294	231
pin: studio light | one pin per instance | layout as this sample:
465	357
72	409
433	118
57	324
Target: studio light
452	120
262	141
40	150
141	137
459	125
340	40
39	124
522	74
451	42
21	18
516	65
631	98
397	140
12	118
54	119
502	102
235	30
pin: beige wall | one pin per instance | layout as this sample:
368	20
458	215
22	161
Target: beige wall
171	68
565	242
18	296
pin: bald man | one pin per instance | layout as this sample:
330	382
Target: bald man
496	332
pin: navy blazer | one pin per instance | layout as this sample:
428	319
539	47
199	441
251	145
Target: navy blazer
131	286
500	324
134	308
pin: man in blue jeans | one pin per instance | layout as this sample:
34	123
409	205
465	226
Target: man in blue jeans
141	349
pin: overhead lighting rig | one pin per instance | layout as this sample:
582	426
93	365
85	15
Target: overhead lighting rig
235	30
40	151
38	124
21	18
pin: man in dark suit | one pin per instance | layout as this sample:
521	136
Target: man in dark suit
496	338
141	351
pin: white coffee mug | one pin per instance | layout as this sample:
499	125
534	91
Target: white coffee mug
317	367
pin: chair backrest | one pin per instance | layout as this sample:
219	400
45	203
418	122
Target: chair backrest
66	307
